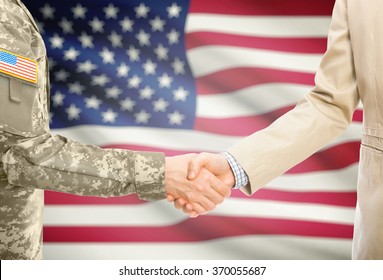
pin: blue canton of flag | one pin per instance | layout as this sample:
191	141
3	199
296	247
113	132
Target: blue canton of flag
119	63
7	58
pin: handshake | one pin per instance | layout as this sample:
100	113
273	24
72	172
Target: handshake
197	183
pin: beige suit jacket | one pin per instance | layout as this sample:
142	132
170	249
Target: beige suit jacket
351	70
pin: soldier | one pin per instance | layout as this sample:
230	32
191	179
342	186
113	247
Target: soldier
33	160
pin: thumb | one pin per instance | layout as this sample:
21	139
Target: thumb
195	166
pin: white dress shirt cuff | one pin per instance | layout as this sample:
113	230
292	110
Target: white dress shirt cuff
240	175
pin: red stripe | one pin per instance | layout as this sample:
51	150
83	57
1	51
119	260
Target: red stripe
26	64
234	79
337	157
201	229
58	198
244	126
263	8
239	126
358	115
294	45
26	67
18	71
344	199
19	66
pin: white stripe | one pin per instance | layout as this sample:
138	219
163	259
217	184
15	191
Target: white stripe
177	140
25	67
182	140
237	248
26	64
210	59
19	63
239	207
352	134
344	179
16	68
360	105
266	26
18	71
161	213
254	100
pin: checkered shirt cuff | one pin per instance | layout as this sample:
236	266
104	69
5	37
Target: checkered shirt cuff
240	175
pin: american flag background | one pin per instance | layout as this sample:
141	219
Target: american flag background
191	76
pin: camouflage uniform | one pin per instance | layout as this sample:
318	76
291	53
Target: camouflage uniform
33	160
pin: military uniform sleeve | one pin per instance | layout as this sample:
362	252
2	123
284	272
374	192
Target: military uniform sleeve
56	163
31	156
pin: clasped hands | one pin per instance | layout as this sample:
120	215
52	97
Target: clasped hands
197	183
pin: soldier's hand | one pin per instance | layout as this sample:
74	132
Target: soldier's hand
197	196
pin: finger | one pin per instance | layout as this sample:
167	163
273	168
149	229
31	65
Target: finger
198	193
170	198
200	203
193	215
203	205
179	203
198	209
218	185
188	209
191	194
195	165
211	187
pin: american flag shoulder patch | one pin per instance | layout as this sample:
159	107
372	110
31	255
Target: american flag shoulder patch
18	66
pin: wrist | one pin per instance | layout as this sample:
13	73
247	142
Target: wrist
239	174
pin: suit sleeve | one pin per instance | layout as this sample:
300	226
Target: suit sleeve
322	115
56	163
